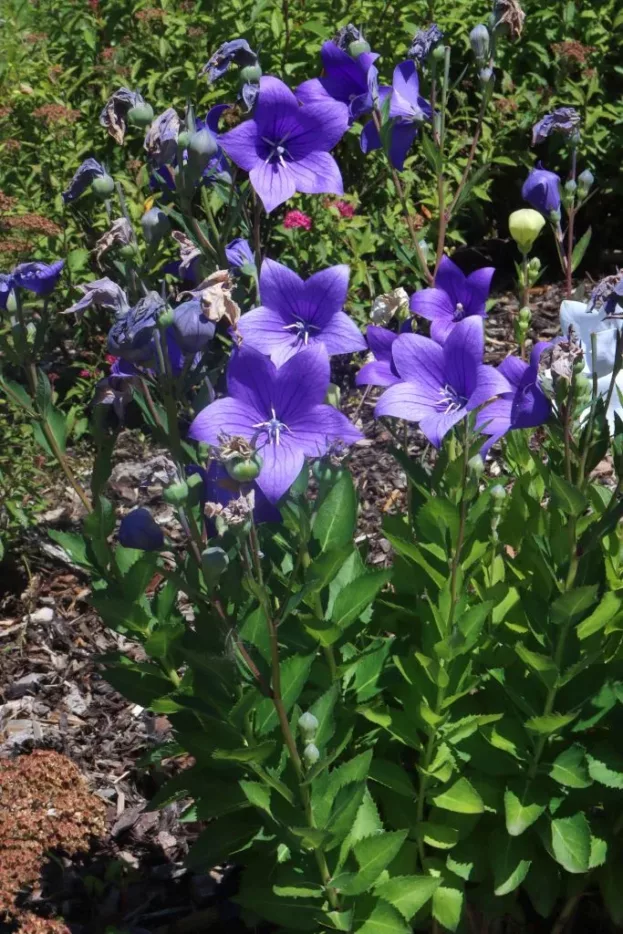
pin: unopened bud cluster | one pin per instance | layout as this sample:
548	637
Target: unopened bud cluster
498	496
308	725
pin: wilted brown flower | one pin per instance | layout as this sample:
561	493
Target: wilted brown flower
7	202
509	13
505	105
11	145
5	112
196	32
54	72
32	222
573	51
32	37
149	15
108	53
56	113
214	294
33	924
120	234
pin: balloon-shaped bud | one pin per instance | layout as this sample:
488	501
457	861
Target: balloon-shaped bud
156	225
129	251
202	147
250	74
214	562
176	494
498	492
525	225
244	469
141	115
183	139
585	182
358	47
139	530
311	754
476	466
308	725
479	40
166	318
103	186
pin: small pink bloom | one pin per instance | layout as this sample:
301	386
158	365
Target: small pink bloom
110	359
85	374
52	377
297	219
345	209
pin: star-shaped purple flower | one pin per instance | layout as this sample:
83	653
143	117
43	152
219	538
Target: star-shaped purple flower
441	384
285	147
348	80
380	371
280	410
296	313
407	110
454	297
564	120
40	278
525	406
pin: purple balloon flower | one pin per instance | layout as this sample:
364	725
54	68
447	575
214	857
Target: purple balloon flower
6	284
139	529
132	336
191	329
454	297
39	278
380	371
161	138
565	120
103	294
350	81
281	411
541	189
85	174
297	313
116	389
407	110
218	164
441	384
525	406
424	42
239	254
285	147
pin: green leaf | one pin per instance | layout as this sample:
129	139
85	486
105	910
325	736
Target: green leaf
326	566
607	610
448	906
549	723
408	893
222	838
612	890
73	544
580	249
510	865
294	673
257	794
356	596
569	768
573	603
605	765
334	523
566	496
258	753
322	710
374	916
461	797
571	842
521	809
373	855
392	776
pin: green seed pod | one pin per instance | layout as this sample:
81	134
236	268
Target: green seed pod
439	53
103	187
165	318
214	562
141	115
311	754
176	494
203	451
308	725
498	493
202	147
183	139
358	47
250	74
156	225
243	469
479	41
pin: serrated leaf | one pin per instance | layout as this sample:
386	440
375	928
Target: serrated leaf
580	249
569	768
573	603
448	906
605	766
566	496
380	918
571	842
408	893
510	866
549	723
334	523
294	673
356	596
461	797
607	610
521	810
373	855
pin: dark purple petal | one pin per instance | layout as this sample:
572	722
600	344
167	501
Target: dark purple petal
301	382
282	463
370	138
477	288
281	289
264	329
436	426
462	356
240	144
380	341
377	373
140	530
401	138
341	335
324	293
420	361
250	379
223	418
514	370
450	278
317	173
490	383
531	408
39	278
318	127
432	304
542	189
409	401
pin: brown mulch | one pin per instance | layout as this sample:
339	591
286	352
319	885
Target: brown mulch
52	694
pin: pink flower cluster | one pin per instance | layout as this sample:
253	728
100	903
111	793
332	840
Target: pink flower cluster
345	209
297	219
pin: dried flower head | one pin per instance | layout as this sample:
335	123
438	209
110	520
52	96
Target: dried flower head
11	145
564	355
572	50
234	447
56	113
7	202
149	15
5	112
32	222
215	296
508	13
120	234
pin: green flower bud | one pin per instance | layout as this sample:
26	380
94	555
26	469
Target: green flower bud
535	264
525	225
141	115
571	186
554	216
11	303
311	754
358	47
242	469
176	494
333	396
103	187
585	182
202	147
203	450
166	318
308	725
183	139
129	251
578	365
525	316
251	74
476	466
214	562
498	492
155	224
439	53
